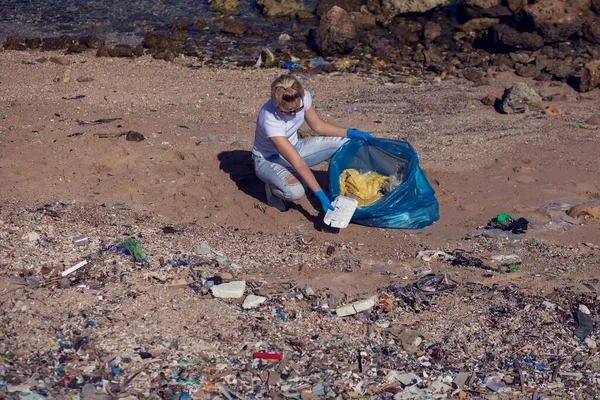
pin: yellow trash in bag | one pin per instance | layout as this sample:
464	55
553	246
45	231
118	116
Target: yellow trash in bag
366	188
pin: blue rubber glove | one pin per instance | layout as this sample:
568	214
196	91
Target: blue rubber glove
325	203
354	134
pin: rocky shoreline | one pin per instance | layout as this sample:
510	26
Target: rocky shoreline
474	39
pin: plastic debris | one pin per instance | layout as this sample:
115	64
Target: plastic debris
230	290
81	240
74	268
252	301
585	326
357	307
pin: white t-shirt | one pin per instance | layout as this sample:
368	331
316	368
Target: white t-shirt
271	123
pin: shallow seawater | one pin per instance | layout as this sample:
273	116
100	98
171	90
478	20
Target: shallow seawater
120	21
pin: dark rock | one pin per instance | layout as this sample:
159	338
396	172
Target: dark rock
364	19
592	31
556	20
133	136
201	24
18	43
156	42
519	98
515	5
347	5
224	6
178	35
118	51
431	31
92	42
235	27
527	71
543	77
138	50
503	59
473	74
57	43
164	55
491	12
594	121
557	68
596	6
506	38
60	60
478	24
77	49
489	100
279	8
306	17
590	76
406	30
34	43
337	33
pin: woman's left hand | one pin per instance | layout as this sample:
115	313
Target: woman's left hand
355	134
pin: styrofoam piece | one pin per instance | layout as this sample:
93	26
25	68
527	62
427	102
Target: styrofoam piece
357	306
230	290
252	301
344	210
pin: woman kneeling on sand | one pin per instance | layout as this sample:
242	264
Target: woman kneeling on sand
280	158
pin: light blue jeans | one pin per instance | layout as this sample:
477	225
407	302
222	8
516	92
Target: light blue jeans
284	180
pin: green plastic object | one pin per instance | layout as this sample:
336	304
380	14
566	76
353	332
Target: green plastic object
504	218
514	267
134	248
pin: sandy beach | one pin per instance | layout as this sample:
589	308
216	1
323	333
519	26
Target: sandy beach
193	172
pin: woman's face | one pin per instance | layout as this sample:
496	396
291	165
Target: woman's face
291	107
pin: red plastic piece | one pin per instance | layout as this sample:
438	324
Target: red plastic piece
268	356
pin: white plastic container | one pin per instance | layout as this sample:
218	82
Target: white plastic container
344	210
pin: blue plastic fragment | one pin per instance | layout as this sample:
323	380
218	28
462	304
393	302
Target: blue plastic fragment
528	360
278	311
116	370
539	367
290	65
91	323
516	363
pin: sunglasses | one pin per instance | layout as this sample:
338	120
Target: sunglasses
292	112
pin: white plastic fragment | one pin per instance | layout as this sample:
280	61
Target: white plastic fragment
548	305
583	308
74	268
428	255
33	236
505	257
357	307
252	301
230	290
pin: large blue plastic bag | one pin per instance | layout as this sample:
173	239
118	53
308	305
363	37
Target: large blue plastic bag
412	205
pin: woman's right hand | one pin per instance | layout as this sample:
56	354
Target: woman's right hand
325	203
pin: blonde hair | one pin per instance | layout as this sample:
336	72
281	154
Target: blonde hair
285	90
